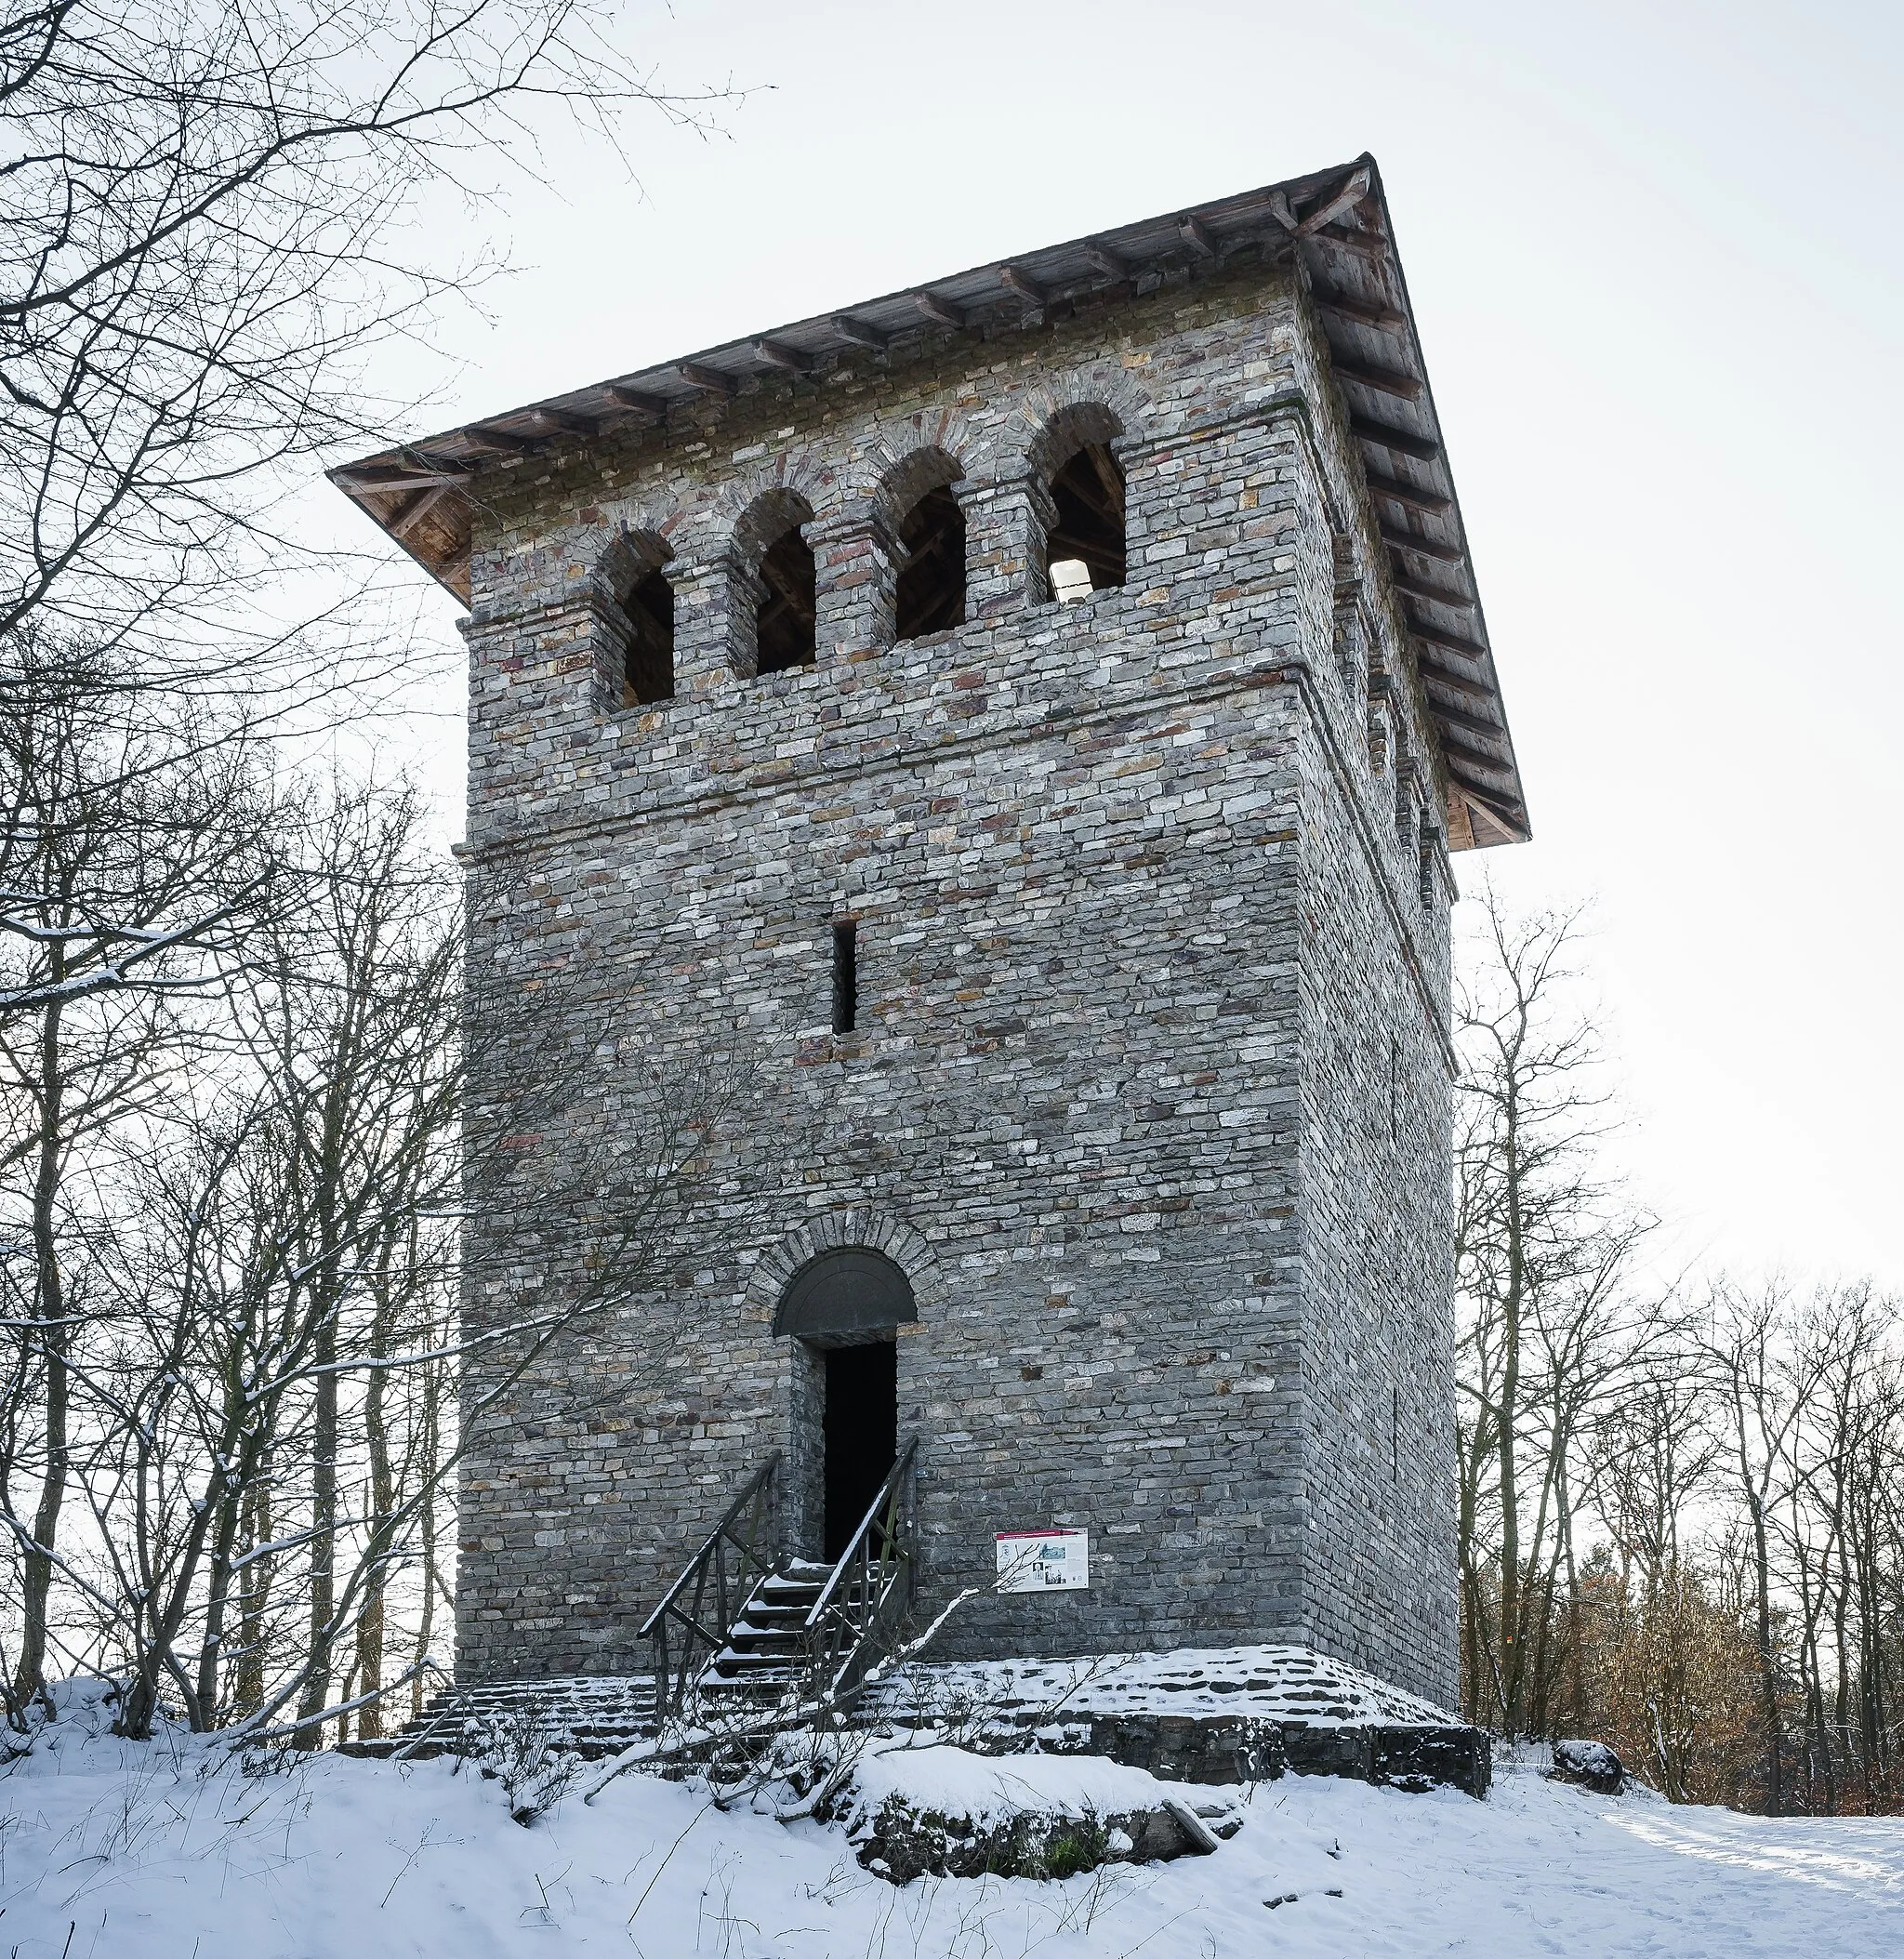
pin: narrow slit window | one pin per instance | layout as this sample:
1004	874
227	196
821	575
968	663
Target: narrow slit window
845	976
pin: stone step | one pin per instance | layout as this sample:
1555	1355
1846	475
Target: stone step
592	1714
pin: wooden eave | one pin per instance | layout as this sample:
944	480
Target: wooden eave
1336	224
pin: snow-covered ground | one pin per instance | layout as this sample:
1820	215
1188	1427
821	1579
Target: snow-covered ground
112	1851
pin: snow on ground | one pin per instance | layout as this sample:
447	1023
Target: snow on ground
984	1787
167	1851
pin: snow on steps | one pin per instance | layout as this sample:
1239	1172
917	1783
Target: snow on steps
593	1714
765	1648
1208	1714
1211	1716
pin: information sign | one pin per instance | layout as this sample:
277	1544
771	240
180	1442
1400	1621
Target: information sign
1044	1560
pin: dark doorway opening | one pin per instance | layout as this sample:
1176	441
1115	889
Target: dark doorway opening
860	1432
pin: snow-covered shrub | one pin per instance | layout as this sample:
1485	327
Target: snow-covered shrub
536	1764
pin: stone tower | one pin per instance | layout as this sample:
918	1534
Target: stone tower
1031	716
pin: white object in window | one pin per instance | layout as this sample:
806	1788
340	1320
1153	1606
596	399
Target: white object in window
1070	580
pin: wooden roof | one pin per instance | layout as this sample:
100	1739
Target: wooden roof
1336	222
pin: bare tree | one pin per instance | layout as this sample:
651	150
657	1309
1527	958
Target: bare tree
209	229
1760	1401
129	857
264	1428
1545	1246
213	220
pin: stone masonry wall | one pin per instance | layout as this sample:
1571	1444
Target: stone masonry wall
1144	962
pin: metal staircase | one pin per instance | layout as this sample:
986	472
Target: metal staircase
801	1632
744	1629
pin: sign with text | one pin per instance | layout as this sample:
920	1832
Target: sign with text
1044	1560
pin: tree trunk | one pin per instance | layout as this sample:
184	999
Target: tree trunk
315	1693
55	1337
1768	1667
253	1595
370	1623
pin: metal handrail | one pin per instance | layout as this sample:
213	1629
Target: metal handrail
876	1570
675	1673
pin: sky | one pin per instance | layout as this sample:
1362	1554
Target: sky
1654	259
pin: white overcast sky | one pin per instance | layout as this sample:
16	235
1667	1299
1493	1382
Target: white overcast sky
1654	254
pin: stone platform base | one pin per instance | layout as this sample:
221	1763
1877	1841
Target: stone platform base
1208	1715
1204	1714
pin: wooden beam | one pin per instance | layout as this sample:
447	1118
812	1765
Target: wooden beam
786	594
1448	642
709	380
1460	751
416	510
501	440
1493	803
934	307
1353	189
1456	682
790	360
1092	492
361	480
1104	260
563	422
651	407
1371	245
1402	442
1195	234
1461	718
1439	594
1400	540
860	333
1495	798
1387	381
1430	502
1027	288
1365	312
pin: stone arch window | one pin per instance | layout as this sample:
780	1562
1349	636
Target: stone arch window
1084	541
928	595
774	581
641	620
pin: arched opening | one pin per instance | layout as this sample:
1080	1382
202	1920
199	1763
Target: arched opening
643	614
1084	548
648	671
931	595
845	1307
784	623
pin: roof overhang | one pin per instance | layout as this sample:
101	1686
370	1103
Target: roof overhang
1336	224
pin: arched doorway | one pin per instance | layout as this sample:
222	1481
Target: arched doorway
844	1308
